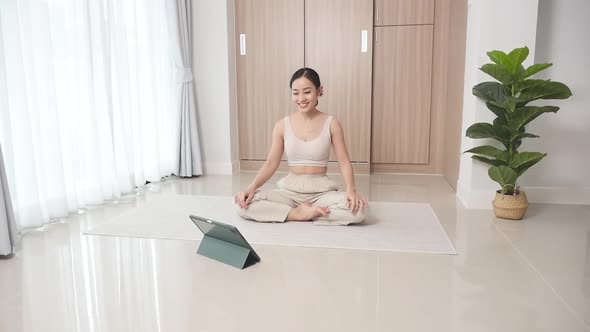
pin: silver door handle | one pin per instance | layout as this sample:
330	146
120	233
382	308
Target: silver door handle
242	44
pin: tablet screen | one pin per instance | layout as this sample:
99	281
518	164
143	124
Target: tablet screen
220	231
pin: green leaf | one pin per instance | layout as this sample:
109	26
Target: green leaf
509	104
499	121
519	72
546	90
504	175
484	130
523	115
491	162
481	130
532	70
490	151
516	143
499	111
491	91
523	158
498	72
507	135
525	165
521	85
499	57
516	58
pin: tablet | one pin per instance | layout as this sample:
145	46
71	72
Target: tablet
224	232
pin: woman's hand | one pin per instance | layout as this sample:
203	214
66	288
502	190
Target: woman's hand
243	198
355	202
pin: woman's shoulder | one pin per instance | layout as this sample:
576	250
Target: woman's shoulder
281	121
335	125
323	117
280	124
333	118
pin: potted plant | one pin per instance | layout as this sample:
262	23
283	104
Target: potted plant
508	99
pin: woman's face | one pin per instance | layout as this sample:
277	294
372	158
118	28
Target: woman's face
304	94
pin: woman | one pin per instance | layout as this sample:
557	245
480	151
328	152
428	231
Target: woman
306	194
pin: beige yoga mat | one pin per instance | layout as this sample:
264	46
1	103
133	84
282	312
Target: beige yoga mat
390	226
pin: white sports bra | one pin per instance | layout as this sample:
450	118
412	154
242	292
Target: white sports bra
314	152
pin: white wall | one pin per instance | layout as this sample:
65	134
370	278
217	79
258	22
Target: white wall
490	26
562	39
233	89
214	74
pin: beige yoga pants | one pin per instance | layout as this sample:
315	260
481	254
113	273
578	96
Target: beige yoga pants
294	189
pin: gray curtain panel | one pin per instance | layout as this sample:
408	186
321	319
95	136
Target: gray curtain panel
190	147
7	223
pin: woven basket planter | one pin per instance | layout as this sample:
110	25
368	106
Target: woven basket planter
510	206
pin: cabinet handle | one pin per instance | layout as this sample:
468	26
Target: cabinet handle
376	37
364	41
377	16
242	44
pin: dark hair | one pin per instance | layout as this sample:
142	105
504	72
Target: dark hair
308	73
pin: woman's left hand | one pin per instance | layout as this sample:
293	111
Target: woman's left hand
355	202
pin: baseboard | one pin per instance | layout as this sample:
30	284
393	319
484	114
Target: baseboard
482	199
219	168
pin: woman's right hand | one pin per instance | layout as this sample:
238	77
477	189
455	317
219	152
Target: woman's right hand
243	198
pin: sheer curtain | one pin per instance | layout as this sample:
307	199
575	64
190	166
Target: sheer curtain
89	101
7	223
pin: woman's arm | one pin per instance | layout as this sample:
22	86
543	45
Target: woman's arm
273	160
342	155
353	200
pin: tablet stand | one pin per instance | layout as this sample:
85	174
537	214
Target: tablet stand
226	252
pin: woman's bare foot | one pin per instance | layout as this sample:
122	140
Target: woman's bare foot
306	212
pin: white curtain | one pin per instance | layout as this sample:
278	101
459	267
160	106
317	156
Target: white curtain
7	223
89	101
190	150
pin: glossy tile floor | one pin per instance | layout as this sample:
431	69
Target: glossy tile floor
531	275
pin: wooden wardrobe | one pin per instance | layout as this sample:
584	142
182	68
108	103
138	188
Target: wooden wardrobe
277	37
382	63
402	80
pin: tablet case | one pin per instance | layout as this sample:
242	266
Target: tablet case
225	252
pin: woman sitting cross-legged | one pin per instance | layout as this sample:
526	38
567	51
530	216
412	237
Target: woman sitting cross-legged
306	194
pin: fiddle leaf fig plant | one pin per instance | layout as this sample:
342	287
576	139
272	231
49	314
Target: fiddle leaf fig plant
508	98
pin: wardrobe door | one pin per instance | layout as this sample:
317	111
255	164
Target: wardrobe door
404	12
269	49
338	45
401	94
